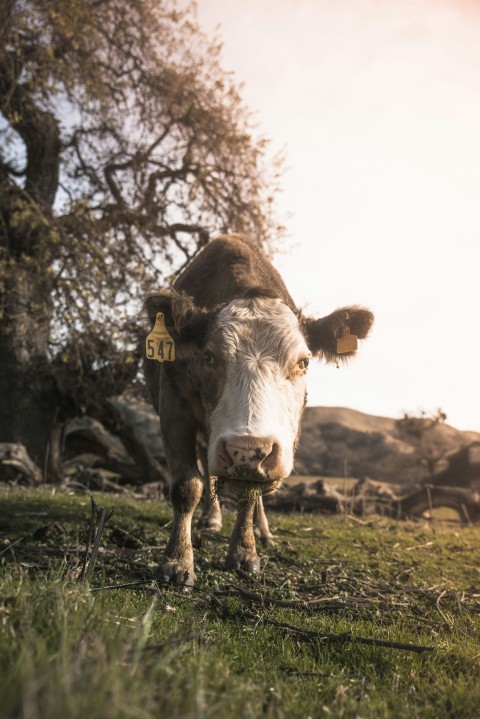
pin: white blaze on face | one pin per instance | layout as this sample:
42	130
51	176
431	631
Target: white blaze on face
260	345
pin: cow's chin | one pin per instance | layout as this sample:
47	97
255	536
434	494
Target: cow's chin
251	488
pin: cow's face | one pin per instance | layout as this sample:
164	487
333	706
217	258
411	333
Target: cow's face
253	389
248	362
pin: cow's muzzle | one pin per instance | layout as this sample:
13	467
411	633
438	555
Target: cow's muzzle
248	458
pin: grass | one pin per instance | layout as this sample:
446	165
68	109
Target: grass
237	646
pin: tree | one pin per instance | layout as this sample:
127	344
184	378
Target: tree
430	446
124	148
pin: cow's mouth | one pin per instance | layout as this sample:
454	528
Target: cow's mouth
246	474
251	487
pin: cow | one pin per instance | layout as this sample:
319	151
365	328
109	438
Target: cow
225	364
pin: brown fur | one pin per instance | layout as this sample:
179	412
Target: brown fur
322	334
229	267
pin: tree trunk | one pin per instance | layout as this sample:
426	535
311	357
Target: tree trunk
27	389
54	462
28	398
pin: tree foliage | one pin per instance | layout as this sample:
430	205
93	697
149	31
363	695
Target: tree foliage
430	446
124	148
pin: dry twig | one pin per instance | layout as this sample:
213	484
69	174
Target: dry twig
98	520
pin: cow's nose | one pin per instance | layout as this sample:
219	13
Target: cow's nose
252	454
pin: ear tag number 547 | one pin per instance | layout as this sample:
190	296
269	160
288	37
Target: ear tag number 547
159	345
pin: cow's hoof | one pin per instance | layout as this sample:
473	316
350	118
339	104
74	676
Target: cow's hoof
266	539
177	574
213	524
246	562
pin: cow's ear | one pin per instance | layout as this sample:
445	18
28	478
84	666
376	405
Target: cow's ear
184	319
323	334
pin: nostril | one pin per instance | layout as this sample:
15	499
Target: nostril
260	454
271	459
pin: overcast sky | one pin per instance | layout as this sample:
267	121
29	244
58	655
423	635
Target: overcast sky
377	104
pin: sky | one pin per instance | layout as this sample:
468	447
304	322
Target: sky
376	104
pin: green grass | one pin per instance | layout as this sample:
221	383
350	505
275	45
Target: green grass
72	650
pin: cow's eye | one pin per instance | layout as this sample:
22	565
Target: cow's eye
303	364
208	358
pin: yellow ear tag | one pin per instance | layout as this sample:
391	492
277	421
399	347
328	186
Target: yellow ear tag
159	345
347	343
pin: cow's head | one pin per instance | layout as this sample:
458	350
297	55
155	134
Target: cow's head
248	362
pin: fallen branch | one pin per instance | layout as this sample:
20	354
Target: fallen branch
126	585
317	604
267	601
367	498
344	637
14	454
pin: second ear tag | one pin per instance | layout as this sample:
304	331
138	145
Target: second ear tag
159	345
347	343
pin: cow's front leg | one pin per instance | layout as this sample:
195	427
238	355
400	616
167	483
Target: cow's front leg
262	529
176	566
179	430
212	514
242	552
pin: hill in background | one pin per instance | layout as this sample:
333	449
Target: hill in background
372	446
